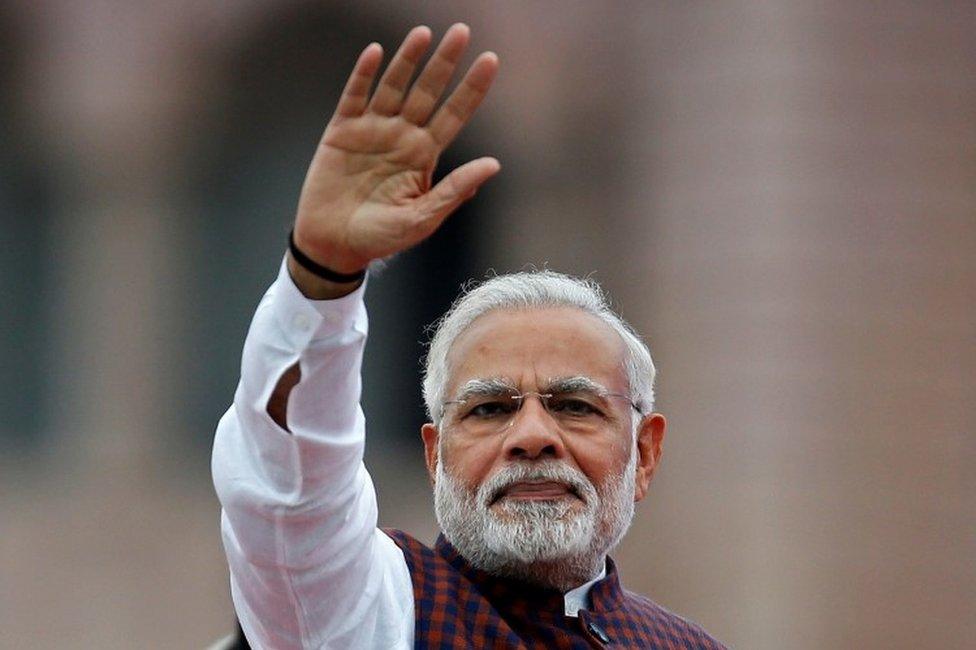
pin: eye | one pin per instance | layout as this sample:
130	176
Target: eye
573	405
491	408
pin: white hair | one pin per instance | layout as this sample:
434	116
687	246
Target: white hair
530	290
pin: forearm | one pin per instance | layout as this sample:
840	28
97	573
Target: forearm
323	428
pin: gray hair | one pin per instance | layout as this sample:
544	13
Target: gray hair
527	290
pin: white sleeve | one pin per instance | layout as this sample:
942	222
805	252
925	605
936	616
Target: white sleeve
309	568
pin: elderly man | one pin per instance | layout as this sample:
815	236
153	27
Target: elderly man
542	432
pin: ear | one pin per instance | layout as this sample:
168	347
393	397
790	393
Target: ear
430	436
650	438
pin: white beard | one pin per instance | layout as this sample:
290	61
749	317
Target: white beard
554	543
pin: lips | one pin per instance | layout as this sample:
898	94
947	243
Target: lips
536	491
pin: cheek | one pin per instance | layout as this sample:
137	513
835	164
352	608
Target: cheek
470	460
599	459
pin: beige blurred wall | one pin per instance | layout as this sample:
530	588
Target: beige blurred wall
779	195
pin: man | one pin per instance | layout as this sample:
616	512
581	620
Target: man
542	433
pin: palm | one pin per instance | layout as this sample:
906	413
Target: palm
368	190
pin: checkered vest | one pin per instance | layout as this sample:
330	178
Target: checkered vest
458	606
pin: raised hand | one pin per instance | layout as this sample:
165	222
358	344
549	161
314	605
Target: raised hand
368	190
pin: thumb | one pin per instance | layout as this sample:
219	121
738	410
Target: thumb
457	187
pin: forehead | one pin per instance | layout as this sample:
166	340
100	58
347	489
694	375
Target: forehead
532	346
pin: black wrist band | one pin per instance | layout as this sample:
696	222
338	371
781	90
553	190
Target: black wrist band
319	270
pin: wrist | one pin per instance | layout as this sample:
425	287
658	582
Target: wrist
324	257
317	281
314	287
335	271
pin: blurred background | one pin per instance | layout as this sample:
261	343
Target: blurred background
780	195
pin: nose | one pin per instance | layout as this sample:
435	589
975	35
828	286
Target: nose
533	433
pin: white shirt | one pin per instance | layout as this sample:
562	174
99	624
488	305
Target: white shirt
308	567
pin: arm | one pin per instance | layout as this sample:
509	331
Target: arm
308	566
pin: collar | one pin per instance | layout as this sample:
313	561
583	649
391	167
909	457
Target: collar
604	592
576	599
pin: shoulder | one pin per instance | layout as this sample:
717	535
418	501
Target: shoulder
664	622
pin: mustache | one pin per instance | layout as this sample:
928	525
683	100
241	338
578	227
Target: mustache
492	489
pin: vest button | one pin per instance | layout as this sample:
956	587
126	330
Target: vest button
597	631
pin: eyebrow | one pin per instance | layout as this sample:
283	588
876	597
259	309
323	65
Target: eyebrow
575	384
501	385
484	387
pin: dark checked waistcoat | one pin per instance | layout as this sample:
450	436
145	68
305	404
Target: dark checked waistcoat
458	606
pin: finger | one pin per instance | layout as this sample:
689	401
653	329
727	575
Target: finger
430	85
456	188
451	117
393	84
355	95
